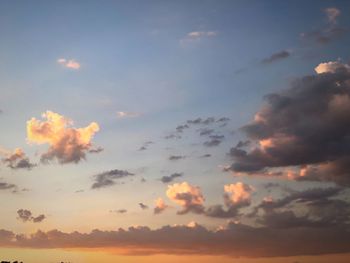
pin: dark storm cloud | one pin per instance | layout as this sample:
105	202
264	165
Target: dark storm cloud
276	57
307	125
26	215
170	178
234	240
176	157
109	178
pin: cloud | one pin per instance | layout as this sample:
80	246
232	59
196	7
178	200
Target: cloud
18	160
207	155
127	114
160	206
143	206
176	157
109	178
145	145
69	63
7	186
67	144
189	197
332	14
234	240
276	57
331	67
196	36
236	196
305	127
330	33
26	215
119	211
201	121
170	178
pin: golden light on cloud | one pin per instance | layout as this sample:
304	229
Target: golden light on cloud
188	196
67	144
238	192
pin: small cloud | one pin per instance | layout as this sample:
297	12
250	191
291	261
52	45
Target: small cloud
143	206
160	206
18	160
196	36
26	215
109	178
119	211
170	178
332	14
69	63
176	157
276	57
127	114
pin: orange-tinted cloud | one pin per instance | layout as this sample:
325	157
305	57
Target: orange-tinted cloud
18	160
67	144
238	193
188	196
160	206
235	240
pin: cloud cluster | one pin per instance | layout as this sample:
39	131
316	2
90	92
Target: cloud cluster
234	240
26	215
18	160
109	178
67	144
236	196
306	127
69	63
189	197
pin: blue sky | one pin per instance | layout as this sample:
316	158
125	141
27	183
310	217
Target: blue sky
158	64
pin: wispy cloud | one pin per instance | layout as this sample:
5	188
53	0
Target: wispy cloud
127	114
69	63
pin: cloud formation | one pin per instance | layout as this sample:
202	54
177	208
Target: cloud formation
26	215
332	14
160	206
189	197
169	178
69	63
18	160
127	114
67	144
306	127
234	240
109	178
276	57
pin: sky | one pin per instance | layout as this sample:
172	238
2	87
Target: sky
175	131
